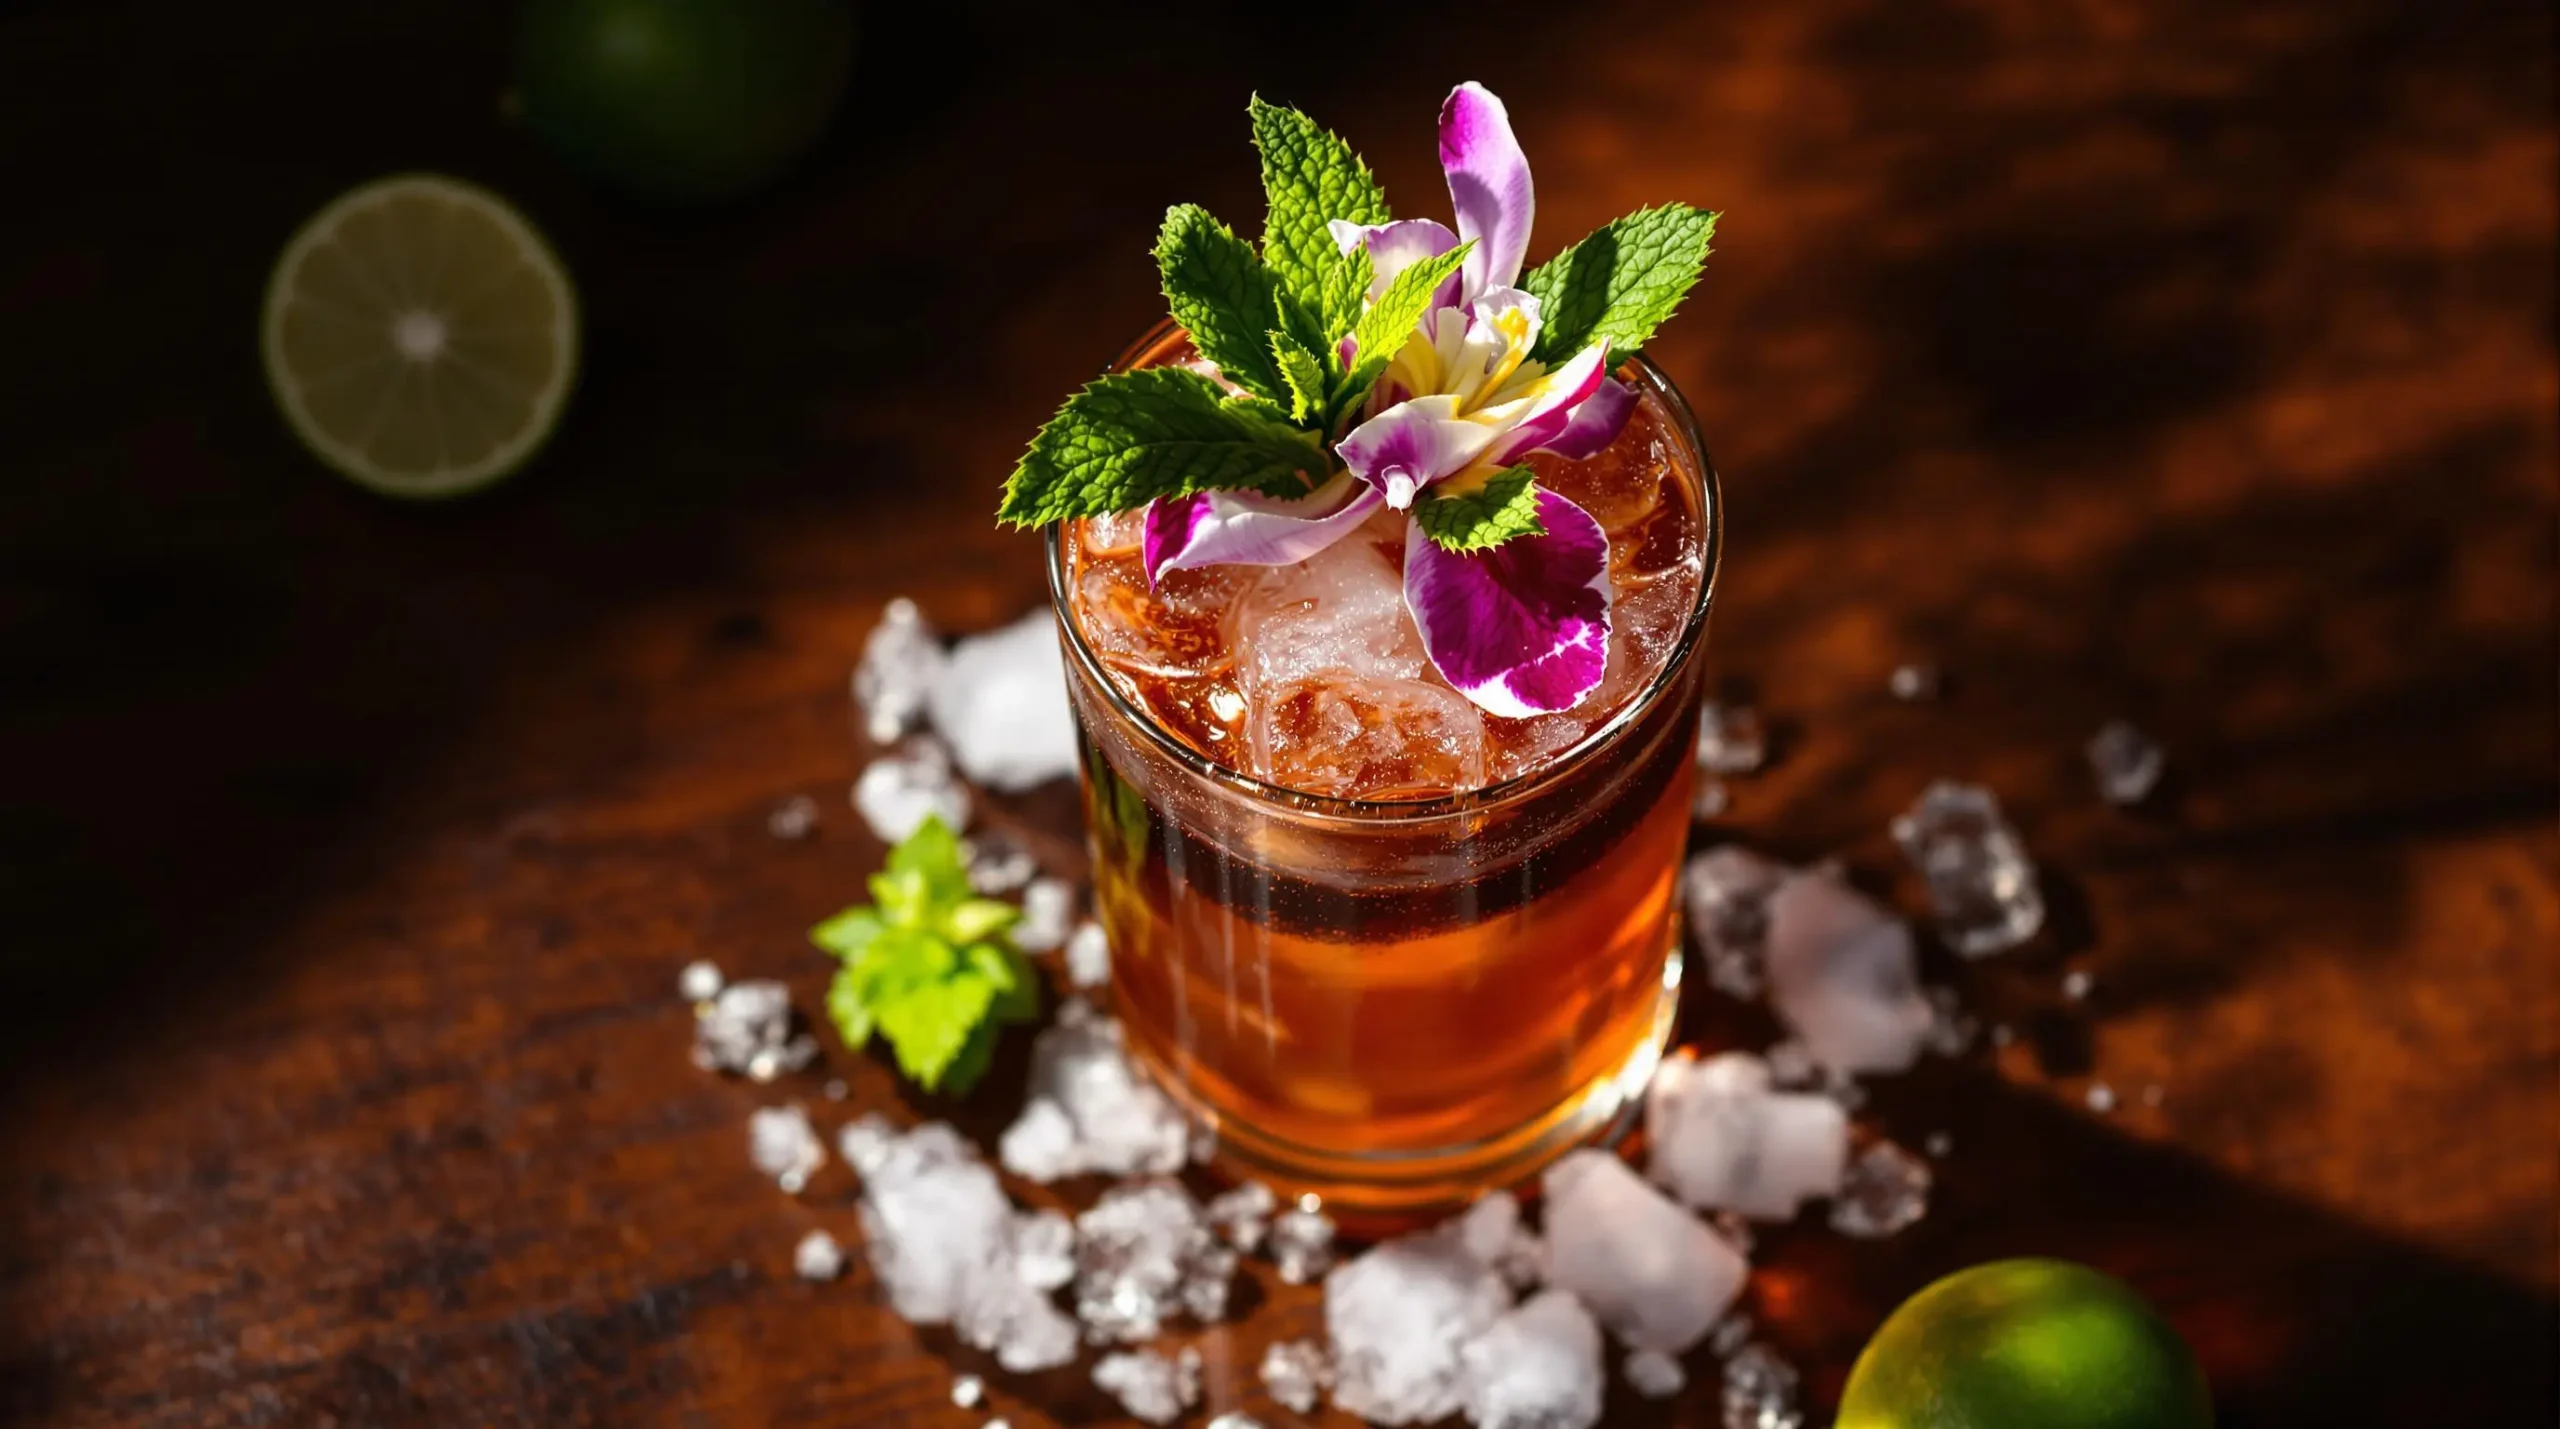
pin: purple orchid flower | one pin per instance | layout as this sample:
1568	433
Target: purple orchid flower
1523	628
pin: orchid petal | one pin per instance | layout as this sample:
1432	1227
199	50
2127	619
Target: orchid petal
1595	423
1394	247
1521	629
1554	402
1243	528
1411	445
1488	185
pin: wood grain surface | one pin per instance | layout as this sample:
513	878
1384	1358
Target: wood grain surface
2187	361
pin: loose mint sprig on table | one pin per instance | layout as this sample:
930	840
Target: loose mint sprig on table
929	965
1367	362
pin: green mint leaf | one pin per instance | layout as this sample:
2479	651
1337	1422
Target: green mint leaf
1382	330
1303	374
1309	176
932	853
1344	288
1131	437
976	1055
1504	507
847	933
898	960
1005	969
1222	295
1620	283
976	919
928	1025
845	1008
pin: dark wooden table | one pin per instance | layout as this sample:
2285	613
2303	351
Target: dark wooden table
2191	361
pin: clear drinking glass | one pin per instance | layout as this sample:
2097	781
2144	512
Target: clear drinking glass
1394	1004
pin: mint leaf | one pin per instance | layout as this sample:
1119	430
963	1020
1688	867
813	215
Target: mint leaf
847	1010
1344	288
932	853
1504	507
1017	987
1131	437
1309	176
847	933
1222	295
1382	331
1620	283
1303	375
928	1025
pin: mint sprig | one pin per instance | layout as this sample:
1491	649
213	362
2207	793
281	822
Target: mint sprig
1309	176
1381	332
1222	295
1132	437
1621	282
1503	508
1302	372
929	966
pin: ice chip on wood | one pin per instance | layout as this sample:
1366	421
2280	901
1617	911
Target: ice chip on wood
1091	1109
1652	1272
1727	889
1844	977
1398	1320
2126	761
901	660
785	1146
1149	1385
1001	704
1538	1367
898	791
1981	883
1885	1189
1722	1140
1296	1372
1145	1256
934	1223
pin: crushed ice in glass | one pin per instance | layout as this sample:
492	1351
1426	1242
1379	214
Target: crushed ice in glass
1300	1243
1048	913
793	818
901	660
1727	889
1001	704
1981	882
784	1146
748	1027
817	1257
1091	1109
1914	682
1654	1375
2126	761
1144	1256
1537	1367
1730	739
1760	1391
1398	1320
1886	1189
1721	1139
1088	955
700	981
1149	1385
898	791
1296	1372
1651	1271
1843	976
998	864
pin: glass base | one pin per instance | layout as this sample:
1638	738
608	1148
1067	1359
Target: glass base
1371	1194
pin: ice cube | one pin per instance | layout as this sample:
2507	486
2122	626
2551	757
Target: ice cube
1115	1120
901	660
2101	1098
1646	621
1728	888
1243	1214
1843	976
793	818
1760	1391
1722	1140
817	1257
1886	1189
1731	1334
749	1027
1001	704
896	792
1538	1367
1340	613
999	864
1174	630
1149	1385
2077	984
1088	955
1296	1372
934	1224
1730	740
1651	1271
700	982
1012	1319
866	1142
1235	1419
967	1390
1048	912
1352	738
1915	682
1711	800
1654	1375
2126	761
1937	1144
1791	1065
1951	1028
1300	1243
1119	533
1981	882
1398	1320
1144	1256
785	1146
1043	1246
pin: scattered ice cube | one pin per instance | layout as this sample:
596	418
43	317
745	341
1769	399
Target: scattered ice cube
1235	1419
1088	955
1760	1391
901	660
1493	1232
1296	1372
701	981
866	1142
1843	976
967	1390
1655	1375
817	1257
1300	1243
1952	1030
793	818
1711	799
1043	1245
1048	911
1538	1367
1722	1140
1843	1088
1730	739
1149	1385
1398	1320
1091	1109
1981	882
1042	1144
998	864
748	1027
1731	1334
2126	761
1728	888
1014	1320
1651	1271
2076	985
1791	1065
1915	682
785	1146
1736	1230
1886	1189
1001	704
934	1224
898	791
2101	1098
1144	1256
1937	1144
1242	1215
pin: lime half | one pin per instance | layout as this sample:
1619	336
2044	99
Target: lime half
420	336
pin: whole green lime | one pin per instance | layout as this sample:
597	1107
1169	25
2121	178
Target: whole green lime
2026	1344
682	100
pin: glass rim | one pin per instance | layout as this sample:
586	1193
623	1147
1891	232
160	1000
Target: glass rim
1393	811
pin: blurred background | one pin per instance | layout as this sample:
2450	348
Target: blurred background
2190	362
